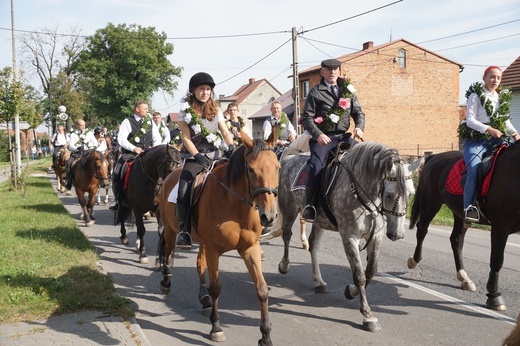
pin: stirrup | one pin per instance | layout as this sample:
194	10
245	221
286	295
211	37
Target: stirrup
309	213
183	241
471	214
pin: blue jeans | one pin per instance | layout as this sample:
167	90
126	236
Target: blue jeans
474	152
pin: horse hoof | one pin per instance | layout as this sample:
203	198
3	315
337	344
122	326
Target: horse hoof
305	246
82	217
165	286
468	286
283	267
90	223
351	292
372	325
143	259
321	289
496	303
124	240
158	263
411	263
217	336
147	216
68	193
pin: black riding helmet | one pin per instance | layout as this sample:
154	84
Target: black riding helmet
201	78
98	130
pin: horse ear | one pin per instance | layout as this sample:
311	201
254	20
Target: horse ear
419	163
248	142
273	137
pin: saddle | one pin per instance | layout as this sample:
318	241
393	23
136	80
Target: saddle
457	175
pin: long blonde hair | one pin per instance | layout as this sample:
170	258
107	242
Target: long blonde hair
205	110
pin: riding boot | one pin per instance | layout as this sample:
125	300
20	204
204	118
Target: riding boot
309	212
183	238
68	185
116	190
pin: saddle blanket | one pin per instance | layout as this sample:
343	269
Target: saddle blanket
127	174
172	197
454	183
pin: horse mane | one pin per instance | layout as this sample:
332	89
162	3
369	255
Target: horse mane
371	161
237	162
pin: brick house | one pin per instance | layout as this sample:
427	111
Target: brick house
408	94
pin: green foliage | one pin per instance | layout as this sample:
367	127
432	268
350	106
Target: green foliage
4	147
123	64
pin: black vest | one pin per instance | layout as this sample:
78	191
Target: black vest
145	140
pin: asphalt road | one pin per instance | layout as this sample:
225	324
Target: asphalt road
424	306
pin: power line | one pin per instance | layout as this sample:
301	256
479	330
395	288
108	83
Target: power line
472	44
355	16
469	32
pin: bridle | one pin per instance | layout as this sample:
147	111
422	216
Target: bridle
251	191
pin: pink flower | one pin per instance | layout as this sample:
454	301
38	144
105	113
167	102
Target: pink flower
344	103
318	120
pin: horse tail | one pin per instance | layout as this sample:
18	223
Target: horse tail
276	230
416	205
123	217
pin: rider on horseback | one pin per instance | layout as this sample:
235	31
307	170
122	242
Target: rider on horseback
134	137
487	120
200	119
59	140
326	116
286	131
80	140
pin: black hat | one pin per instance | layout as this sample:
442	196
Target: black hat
98	130
201	78
331	63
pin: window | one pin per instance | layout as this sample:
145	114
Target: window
305	89
402	58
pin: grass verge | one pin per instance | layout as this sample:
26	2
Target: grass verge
48	267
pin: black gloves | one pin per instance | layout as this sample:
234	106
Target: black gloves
229	152
202	160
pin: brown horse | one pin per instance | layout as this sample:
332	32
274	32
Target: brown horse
237	200
59	163
500	209
89	172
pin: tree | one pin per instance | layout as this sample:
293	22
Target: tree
49	55
121	65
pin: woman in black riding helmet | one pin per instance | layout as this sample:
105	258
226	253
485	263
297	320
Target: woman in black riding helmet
204	134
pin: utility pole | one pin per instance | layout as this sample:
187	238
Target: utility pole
296	82
18	160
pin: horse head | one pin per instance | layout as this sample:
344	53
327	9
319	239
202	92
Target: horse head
397	190
258	162
99	165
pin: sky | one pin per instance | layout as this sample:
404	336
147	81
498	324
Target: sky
235	40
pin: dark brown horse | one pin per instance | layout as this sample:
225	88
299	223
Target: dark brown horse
146	171
59	162
89	172
236	202
500	208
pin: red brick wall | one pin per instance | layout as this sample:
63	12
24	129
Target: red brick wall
412	109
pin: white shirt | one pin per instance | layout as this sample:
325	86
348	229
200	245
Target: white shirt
161	134
476	115
89	141
59	139
102	145
289	130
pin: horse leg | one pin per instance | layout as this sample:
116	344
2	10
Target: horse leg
90	206
252	259
457	243
425	218
287	222
215	286
141	230
498	244
107	189
320	286
303	235
351	245
202	268
122	214
167	250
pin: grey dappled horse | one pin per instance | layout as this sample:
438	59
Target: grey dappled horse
371	191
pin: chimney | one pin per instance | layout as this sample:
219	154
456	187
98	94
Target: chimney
251	80
368	45
221	96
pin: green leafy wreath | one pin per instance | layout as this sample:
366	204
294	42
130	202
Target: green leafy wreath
497	119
